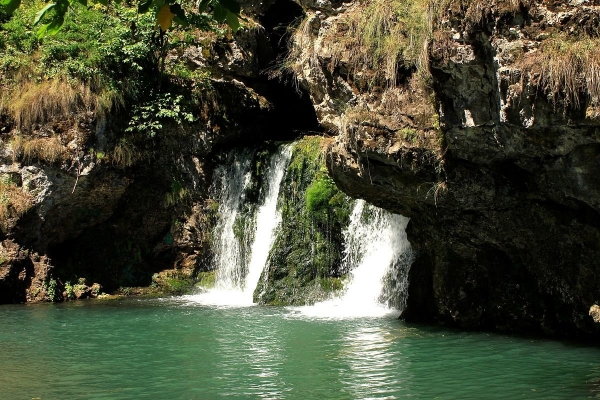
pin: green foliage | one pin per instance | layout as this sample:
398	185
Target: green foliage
319	194
99	50
126	290
104	62
206	279
53	15
52	290
177	286
409	134
69	291
96	290
148	118
177	193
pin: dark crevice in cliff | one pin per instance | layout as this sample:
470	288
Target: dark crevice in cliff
567	214
293	111
120	251
277	20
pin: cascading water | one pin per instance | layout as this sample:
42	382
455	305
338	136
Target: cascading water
241	249
229	182
378	256
267	220
376	252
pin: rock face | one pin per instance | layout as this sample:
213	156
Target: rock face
504	199
475	129
305	264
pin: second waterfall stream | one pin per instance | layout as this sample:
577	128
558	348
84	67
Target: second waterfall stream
248	187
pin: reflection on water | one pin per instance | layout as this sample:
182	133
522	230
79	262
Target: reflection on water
373	371
258	349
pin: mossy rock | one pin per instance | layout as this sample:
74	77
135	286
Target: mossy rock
306	258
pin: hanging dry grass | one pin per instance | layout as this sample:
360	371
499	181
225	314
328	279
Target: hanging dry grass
383	36
49	150
301	48
14	202
386	35
36	103
125	154
303	44
477	10
566	69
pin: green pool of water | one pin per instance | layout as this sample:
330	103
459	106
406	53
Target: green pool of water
173	349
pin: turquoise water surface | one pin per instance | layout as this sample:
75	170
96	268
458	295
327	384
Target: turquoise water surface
178	349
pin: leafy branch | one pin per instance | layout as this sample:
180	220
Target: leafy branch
166	11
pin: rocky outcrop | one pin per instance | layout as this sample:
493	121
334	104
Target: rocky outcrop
503	193
473	129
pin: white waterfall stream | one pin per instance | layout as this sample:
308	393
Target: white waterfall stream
267	220
238	272
230	181
378	255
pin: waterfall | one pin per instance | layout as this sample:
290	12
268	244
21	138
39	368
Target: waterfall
267	220
378	256
243	239
229	183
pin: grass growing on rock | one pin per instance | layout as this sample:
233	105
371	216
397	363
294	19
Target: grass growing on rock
106	61
92	64
567	68
14	202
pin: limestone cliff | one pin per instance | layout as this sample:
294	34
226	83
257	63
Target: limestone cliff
486	136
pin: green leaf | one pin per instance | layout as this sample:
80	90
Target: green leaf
203	5
180	16
40	14
219	13
83	2
10	5
51	28
55	26
231	6
103	2
62	6
144	6
233	21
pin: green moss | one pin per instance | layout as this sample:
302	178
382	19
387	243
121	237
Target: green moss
319	193
331	284
206	279
409	134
